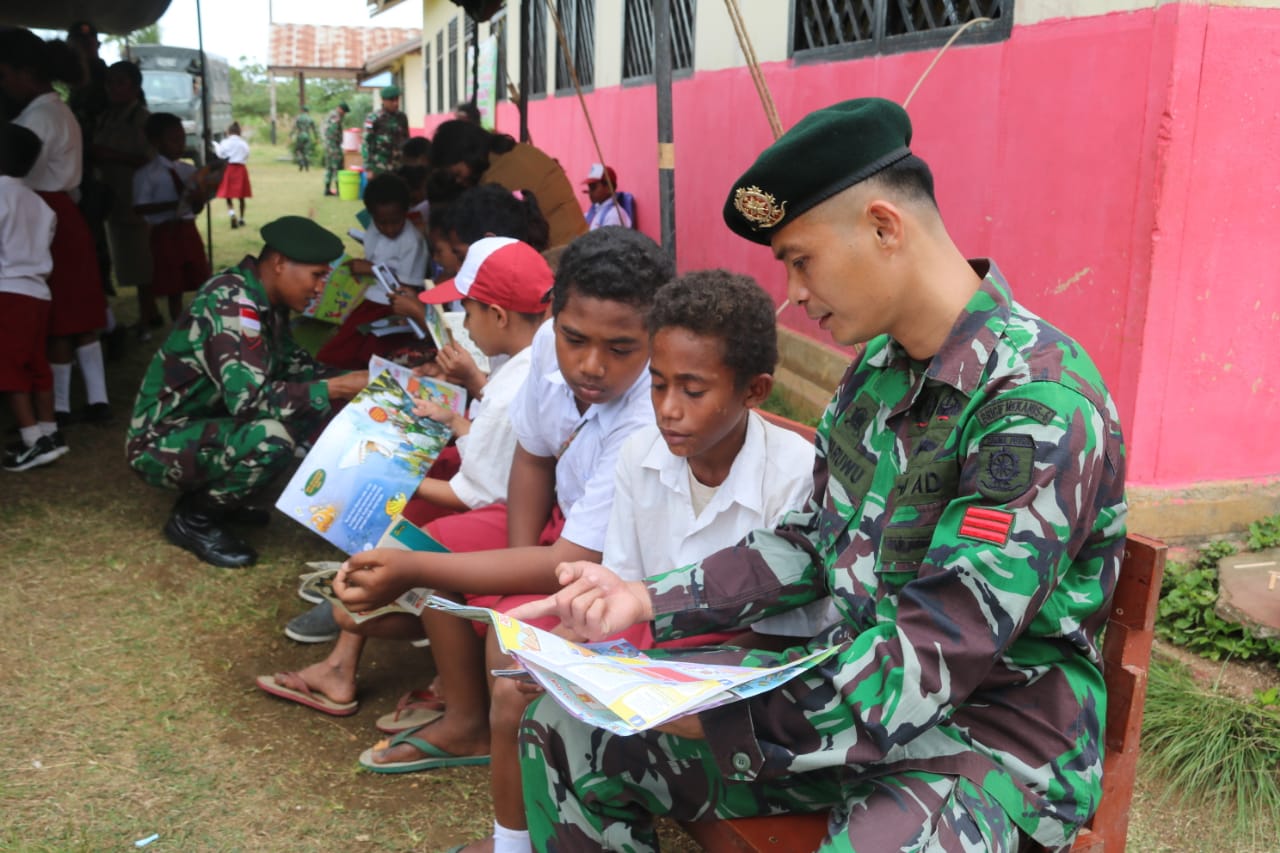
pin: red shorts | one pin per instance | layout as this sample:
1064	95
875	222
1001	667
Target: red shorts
79	305
178	262
235	182
24	325
350	348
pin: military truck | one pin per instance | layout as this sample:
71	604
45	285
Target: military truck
171	81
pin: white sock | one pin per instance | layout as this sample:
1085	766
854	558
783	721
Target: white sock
30	435
95	378
111	321
61	386
510	840
231	213
49	428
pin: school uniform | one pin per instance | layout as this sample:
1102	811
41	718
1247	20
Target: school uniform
487	450
406	255
75	283
235	177
27	227
607	212
178	261
663	518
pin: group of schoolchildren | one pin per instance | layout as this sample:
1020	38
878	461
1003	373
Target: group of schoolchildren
615	425
54	273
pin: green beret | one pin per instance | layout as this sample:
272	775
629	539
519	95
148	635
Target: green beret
827	151
343	106
390	91
302	240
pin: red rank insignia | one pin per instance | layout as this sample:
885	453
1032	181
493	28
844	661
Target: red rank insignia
988	525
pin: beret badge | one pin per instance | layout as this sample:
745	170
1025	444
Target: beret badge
758	207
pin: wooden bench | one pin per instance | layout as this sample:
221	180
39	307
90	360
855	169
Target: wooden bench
1126	651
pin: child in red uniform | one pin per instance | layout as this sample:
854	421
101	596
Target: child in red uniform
168	196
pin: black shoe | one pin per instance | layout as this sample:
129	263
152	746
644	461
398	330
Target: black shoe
66	419
194	528
41	453
328	191
97	413
248	515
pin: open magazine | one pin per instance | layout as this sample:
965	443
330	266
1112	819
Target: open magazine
367	463
342	292
618	688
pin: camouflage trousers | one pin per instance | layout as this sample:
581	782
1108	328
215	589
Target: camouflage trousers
332	165
588	790
227	459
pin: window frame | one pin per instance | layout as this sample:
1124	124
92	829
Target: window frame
881	44
677	73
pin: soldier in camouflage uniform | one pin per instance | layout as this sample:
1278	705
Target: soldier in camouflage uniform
229	394
304	136
333	146
967	518
385	133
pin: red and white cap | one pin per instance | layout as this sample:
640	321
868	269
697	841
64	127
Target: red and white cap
498	271
597	173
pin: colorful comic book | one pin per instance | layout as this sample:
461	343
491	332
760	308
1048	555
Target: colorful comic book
364	467
447	394
343	291
621	689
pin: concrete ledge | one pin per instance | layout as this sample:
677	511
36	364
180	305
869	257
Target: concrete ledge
810	371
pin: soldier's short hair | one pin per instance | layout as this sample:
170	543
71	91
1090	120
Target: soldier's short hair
612	263
731	308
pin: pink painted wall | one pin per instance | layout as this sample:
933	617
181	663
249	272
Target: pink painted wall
1117	167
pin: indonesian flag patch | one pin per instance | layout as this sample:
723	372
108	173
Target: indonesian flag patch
249	320
987	525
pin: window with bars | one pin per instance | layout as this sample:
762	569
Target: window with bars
440	107
829	28
637	44
578	18
453	66
499	31
537	47
468	57
426	71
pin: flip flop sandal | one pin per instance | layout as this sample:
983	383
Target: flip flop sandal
414	710
436	757
291	687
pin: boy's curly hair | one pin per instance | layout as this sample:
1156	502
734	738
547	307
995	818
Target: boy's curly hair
387	188
729	307
613	263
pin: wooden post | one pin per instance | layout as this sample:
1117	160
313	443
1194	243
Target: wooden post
523	103
666	143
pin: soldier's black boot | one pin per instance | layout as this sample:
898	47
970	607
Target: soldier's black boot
195	526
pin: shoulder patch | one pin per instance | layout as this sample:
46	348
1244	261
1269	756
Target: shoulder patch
997	409
250	321
1005	464
988	525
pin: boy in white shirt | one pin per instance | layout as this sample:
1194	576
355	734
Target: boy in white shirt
168	194
587	392
26	233
398	246
706	474
501	284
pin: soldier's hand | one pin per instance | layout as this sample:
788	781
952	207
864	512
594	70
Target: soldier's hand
595	603
688	726
373	578
460	368
347	385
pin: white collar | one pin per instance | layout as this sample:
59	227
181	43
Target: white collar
746	481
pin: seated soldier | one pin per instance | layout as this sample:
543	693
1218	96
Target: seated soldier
229	394
967	520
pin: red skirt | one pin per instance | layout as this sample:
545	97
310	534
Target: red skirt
178	262
235	182
79	305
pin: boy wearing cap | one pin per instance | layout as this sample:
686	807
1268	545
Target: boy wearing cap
608	203
385	132
501	284
967	519
229	394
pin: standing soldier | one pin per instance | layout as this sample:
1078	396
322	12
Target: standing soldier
304	134
385	133
229	394
333	146
967	519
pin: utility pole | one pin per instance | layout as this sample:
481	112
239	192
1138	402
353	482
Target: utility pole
666	143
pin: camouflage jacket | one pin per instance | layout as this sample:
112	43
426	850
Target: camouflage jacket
304	126
230	355
333	130
968	521
385	133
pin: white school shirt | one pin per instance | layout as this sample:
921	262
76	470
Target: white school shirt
58	168
606	212
545	417
488	449
26	233
653	528
405	255
153	183
233	149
